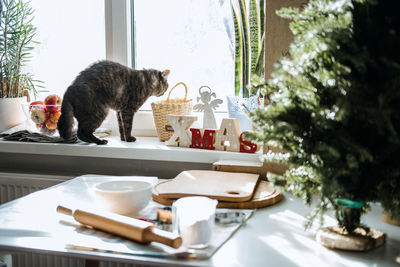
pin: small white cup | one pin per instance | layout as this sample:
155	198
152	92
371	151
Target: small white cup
194	220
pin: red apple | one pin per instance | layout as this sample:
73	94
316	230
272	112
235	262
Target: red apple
38	115
53	103
52	100
55	116
36	103
51	122
51	125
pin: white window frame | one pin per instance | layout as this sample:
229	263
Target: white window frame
119	49
118	31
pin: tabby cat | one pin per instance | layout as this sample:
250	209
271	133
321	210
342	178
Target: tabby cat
108	85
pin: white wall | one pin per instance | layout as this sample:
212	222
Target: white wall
71	35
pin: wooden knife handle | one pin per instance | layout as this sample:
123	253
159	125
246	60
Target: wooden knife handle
128	227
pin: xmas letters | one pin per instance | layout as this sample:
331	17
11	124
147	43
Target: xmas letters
227	138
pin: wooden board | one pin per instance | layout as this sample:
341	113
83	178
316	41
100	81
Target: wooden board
238	166
333	237
225	186
265	195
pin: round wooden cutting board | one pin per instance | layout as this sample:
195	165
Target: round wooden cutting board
264	195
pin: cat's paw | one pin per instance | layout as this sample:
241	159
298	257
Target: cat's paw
131	139
102	142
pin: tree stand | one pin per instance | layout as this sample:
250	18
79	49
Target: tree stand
349	234
336	237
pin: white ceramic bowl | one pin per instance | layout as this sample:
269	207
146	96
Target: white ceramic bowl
124	197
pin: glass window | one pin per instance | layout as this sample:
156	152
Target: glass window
71	35
192	38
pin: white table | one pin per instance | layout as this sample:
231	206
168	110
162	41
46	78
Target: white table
274	236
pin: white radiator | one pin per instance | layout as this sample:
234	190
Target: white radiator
15	185
37	260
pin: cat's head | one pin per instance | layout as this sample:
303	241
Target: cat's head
160	83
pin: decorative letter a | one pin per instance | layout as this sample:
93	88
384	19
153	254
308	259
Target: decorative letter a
228	136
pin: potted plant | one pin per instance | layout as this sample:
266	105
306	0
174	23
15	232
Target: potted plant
16	44
335	111
249	59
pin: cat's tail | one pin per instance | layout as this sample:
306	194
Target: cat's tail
66	121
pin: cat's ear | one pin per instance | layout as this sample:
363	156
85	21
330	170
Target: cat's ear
165	74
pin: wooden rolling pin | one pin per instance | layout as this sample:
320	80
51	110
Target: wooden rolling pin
135	229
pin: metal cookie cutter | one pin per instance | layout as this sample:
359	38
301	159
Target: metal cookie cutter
229	217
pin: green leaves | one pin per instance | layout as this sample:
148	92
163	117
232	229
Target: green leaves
255	33
334	105
16	44
244	24
249	43
238	53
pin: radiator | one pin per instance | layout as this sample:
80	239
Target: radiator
15	185
37	260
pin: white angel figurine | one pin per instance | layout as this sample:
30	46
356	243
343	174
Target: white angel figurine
207	107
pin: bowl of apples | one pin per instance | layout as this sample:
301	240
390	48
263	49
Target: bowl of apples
45	114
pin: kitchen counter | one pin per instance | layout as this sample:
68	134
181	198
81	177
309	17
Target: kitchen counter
273	236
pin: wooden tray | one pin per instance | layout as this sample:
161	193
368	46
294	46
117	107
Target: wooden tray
224	186
264	195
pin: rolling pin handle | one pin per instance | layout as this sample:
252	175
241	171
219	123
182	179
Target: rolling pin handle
64	210
164	237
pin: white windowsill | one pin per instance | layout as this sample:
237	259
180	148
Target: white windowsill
145	148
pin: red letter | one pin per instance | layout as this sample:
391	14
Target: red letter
247	146
206	142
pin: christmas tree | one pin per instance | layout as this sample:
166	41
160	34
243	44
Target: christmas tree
335	108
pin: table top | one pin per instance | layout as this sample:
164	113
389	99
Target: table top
273	236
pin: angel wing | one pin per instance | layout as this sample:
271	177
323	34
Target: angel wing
198	107
215	103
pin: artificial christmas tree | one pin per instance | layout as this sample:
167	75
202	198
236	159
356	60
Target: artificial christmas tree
335	108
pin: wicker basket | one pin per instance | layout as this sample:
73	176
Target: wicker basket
175	106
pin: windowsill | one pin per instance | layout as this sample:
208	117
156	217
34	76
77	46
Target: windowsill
145	148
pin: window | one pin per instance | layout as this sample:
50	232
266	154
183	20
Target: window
191	38
71	35
194	39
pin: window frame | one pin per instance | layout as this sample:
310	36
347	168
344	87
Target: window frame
119	48
118	31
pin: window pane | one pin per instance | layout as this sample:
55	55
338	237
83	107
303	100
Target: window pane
71	35
192	38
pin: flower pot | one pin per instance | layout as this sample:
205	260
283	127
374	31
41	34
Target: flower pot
11	113
238	106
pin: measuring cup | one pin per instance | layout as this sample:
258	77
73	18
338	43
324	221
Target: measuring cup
194	220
